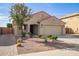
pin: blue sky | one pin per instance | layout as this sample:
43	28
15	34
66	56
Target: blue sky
56	9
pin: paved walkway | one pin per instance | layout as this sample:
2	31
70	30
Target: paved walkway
7	45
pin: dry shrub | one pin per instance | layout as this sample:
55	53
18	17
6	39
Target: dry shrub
19	45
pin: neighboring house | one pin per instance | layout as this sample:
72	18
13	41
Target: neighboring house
71	23
42	23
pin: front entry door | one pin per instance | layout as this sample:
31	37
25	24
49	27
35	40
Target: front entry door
34	29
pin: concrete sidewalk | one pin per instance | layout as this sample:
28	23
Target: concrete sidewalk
8	45
8	50
61	52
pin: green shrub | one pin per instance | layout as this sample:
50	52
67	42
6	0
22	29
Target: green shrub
45	40
23	34
9	25
56	37
40	36
53	37
29	33
49	36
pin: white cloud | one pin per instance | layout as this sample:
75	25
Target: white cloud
4	17
1	14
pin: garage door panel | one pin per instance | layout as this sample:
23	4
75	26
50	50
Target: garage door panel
51	30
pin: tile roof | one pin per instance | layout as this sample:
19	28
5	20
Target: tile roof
69	15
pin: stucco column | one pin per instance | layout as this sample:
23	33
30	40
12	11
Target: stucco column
63	30
28	28
39	29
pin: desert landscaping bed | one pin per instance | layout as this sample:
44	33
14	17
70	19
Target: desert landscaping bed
33	45
37	45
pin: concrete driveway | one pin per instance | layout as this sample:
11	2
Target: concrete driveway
7	45
58	52
61	50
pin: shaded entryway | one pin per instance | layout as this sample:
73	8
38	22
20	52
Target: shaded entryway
34	29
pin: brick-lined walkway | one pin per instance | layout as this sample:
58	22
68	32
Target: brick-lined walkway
7	45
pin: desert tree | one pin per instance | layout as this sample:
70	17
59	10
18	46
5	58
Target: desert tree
20	13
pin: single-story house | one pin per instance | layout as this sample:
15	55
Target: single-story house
71	23
42	23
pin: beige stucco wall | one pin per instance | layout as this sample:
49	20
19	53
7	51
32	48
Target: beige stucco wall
73	23
52	21
37	17
50	30
52	26
48	26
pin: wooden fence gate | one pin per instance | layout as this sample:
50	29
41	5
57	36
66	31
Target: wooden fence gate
6	31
